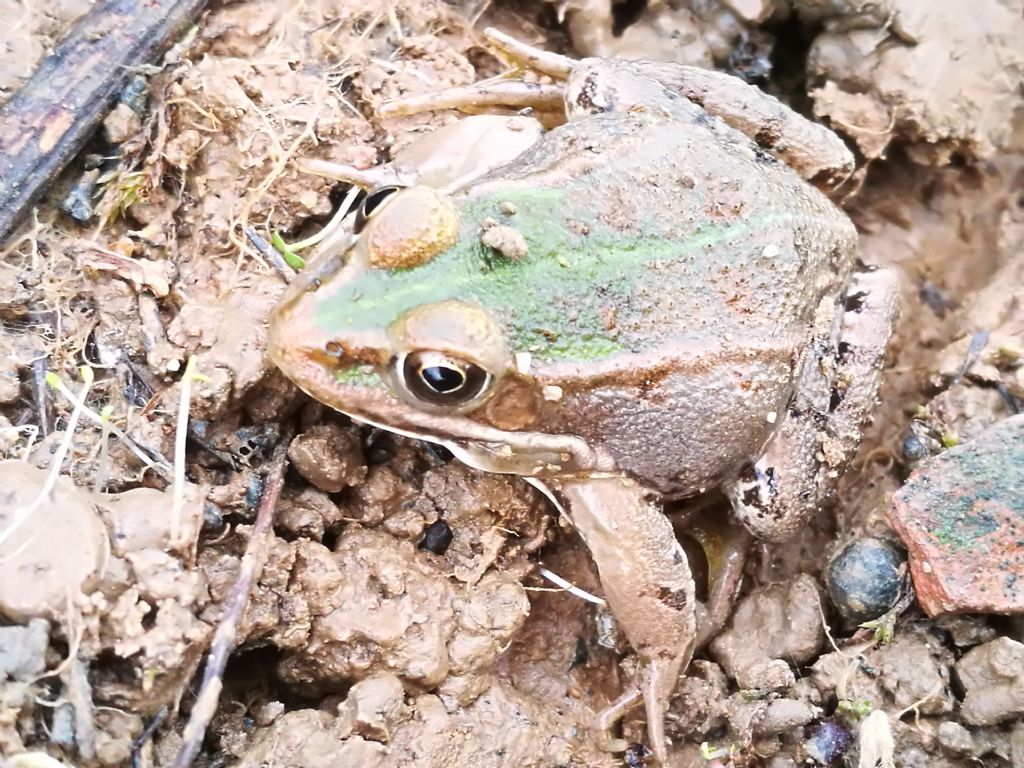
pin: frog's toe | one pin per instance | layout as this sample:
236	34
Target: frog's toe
546	62
473	98
368	178
658	681
608	717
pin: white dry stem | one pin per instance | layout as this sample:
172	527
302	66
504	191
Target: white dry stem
876	743
46	492
160	468
180	439
343	210
572	589
104	462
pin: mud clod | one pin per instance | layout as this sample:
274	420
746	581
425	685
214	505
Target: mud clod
329	457
786	622
993	679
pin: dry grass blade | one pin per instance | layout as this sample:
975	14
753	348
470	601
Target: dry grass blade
25	512
180	440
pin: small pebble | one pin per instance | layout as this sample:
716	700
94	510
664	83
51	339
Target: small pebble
135	95
436	537
864	579
828	742
62	727
507	241
914	449
213	518
955	739
635	755
78	202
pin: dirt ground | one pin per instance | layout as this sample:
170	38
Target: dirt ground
399	618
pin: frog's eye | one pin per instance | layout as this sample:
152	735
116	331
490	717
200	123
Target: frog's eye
371	203
441	379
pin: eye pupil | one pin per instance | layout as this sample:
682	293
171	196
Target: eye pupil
442	379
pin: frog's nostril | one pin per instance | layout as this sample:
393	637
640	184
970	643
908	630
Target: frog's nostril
334	350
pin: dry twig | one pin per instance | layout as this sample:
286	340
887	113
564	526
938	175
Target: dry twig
234	608
46	123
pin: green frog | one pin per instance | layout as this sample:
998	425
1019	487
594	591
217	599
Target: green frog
649	301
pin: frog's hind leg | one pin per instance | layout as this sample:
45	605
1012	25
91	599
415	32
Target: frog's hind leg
724	545
816	440
526	56
811	149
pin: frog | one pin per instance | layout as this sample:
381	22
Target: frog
651	300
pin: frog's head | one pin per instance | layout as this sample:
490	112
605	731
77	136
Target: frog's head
389	333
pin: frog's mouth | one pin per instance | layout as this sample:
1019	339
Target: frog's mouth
364	395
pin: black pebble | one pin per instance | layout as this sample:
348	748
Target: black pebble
864	579
436	537
914	449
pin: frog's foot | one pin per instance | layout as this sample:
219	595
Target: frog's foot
527	57
803	461
498	92
724	546
658	681
647	583
726	559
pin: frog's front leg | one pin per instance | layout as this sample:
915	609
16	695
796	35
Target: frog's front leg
648	585
802	463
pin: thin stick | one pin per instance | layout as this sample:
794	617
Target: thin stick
147	733
76	682
40	367
270	254
234	608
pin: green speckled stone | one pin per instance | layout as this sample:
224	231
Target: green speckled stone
961	515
